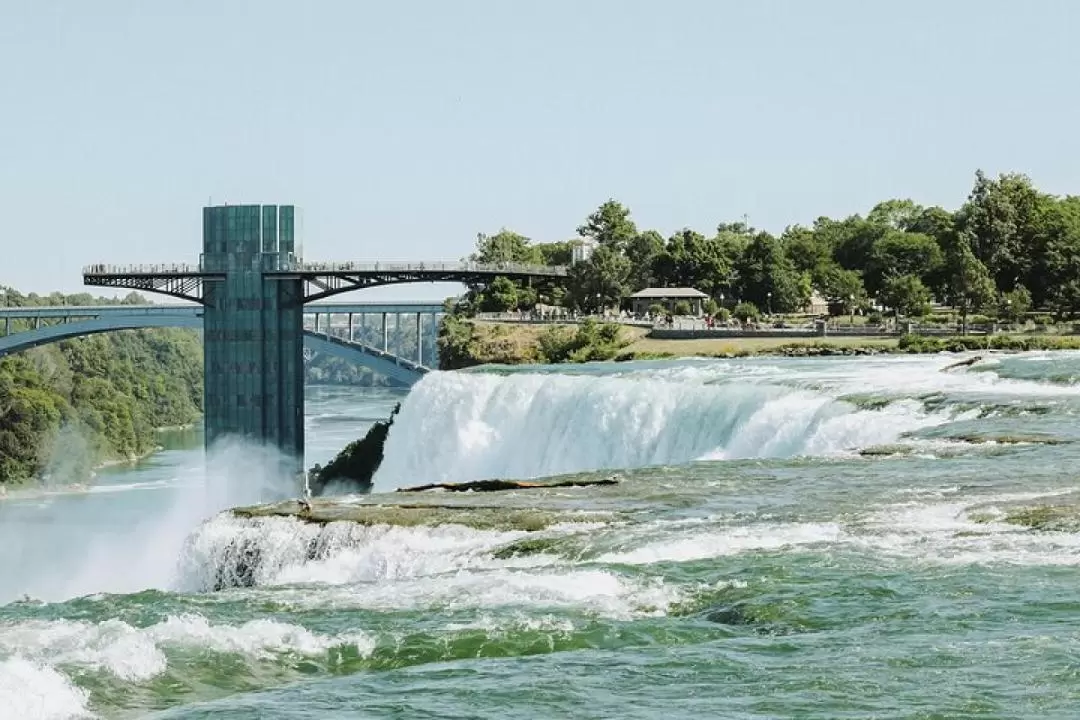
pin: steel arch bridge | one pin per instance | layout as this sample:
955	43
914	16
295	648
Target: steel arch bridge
112	318
253	286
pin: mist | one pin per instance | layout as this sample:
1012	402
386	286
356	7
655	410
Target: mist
61	545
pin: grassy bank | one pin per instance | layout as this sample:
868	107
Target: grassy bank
647	347
466	344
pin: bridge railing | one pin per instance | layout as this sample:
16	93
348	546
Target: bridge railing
404	267
165	269
359	309
156	269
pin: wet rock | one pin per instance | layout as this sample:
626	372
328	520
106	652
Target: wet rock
1053	518
239	565
1062	515
497	485
355	466
1002	439
478	517
885	450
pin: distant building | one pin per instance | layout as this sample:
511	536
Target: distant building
817	305
642	300
581	250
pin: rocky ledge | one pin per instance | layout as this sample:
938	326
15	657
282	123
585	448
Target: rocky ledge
424	510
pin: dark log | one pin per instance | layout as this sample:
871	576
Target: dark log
498	485
963	363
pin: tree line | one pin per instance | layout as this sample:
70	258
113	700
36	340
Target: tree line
68	406
1008	249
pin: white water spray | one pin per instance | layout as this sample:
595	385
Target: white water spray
70	545
464	426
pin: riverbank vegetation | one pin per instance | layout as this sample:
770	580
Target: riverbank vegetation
652	349
1009	250
329	370
465	343
354	468
471	343
70	406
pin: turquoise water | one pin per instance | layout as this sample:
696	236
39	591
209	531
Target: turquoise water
812	538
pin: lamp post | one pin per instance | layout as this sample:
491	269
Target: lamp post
851	305
769	296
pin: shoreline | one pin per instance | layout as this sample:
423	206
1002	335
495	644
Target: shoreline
38	487
655	349
490	344
135	459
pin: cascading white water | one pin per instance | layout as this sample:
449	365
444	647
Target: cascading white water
468	426
100	547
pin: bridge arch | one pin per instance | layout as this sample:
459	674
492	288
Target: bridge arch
376	360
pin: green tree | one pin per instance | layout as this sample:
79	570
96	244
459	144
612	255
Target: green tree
1003	218
1014	304
934	221
503	246
691	260
1059	261
906	295
895	214
809	252
767	277
500	296
898	253
843	289
642	251
552	253
509	246
733	239
610	225
600	282
970	287
745	312
852	240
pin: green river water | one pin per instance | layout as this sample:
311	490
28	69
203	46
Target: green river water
752	563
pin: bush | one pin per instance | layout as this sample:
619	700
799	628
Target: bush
683	308
1013	305
590	341
920	344
745	312
354	467
1041	318
722	314
455	342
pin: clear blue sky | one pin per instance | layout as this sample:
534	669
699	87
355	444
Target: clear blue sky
402	129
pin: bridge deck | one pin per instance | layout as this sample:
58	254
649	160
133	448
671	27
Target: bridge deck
320	279
355	308
381	361
194	269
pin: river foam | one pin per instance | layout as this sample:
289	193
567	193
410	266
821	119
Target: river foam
32	690
34	681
